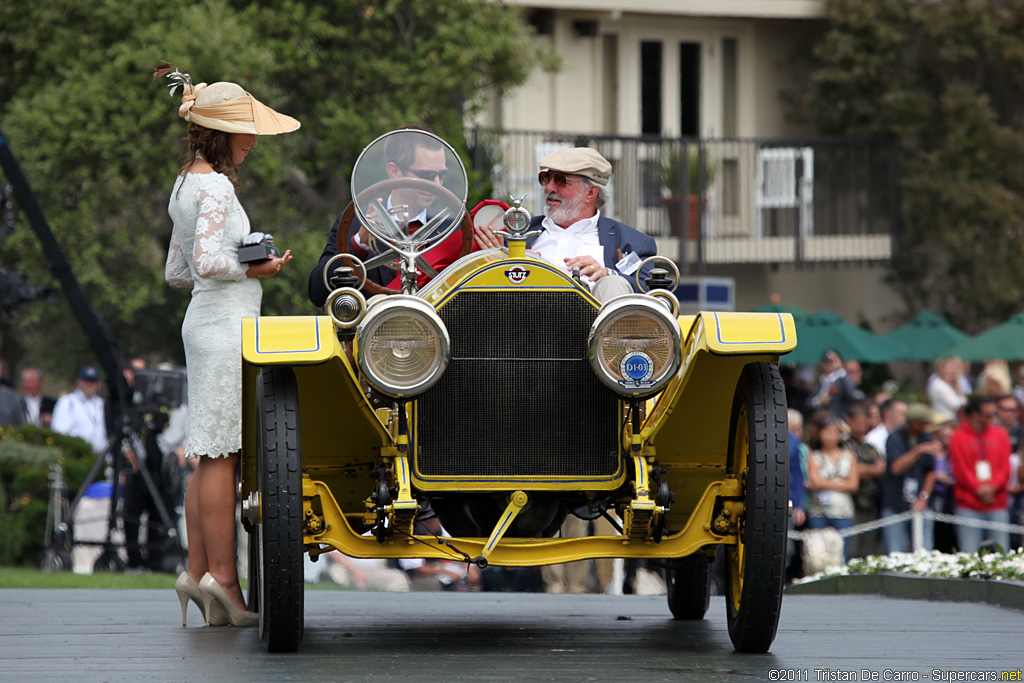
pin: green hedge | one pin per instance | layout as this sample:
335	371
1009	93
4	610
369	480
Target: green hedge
26	454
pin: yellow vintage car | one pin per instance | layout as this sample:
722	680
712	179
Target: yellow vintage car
502	397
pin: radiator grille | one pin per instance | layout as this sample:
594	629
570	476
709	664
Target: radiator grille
519	398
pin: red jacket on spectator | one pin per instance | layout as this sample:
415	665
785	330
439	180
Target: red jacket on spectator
966	448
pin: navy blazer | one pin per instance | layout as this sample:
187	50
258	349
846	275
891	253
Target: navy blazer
382	275
614	236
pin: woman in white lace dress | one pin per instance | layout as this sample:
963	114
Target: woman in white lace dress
209	226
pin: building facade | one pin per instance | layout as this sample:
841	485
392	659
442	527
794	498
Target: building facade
652	83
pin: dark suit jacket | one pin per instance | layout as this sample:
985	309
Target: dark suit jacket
382	275
45	406
614	236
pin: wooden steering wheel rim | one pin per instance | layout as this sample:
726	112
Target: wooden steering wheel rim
345	223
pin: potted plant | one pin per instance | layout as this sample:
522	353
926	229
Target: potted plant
700	173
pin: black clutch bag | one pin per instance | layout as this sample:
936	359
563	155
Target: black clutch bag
258	247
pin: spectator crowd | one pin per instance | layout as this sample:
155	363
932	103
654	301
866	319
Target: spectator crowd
858	459
854	460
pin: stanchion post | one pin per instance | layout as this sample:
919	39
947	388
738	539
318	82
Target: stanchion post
917	530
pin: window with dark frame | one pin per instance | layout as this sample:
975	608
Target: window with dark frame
650	87
689	89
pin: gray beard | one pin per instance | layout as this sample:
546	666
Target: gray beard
566	211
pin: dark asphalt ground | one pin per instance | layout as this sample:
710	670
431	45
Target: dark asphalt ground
135	636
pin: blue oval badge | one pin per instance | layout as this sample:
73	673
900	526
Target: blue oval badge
636	369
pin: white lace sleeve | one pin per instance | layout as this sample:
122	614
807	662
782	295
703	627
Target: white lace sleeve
210	258
176	271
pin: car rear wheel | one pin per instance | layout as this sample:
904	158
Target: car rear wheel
252	597
689	587
278	535
759	456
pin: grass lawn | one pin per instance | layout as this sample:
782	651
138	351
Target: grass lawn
27	577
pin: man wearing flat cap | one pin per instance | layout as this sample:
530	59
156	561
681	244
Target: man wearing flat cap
81	413
910	455
574	233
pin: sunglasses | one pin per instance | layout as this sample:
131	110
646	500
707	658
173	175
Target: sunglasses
561	179
427	174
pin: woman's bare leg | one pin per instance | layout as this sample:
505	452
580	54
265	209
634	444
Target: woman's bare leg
217	519
197	562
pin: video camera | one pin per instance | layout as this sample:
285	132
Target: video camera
159	390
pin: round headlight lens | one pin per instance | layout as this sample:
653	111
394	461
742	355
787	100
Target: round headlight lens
635	346
402	346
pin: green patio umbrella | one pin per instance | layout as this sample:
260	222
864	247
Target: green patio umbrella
927	336
826	330
1004	341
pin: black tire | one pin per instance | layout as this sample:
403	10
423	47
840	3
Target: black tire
55	560
759	456
279	542
252	597
688	587
109	561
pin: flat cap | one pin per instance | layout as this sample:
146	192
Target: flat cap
582	161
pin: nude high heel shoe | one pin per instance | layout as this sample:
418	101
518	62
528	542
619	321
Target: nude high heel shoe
213	594
188	589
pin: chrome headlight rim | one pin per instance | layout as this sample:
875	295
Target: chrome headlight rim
383	310
621	381
666	297
340	323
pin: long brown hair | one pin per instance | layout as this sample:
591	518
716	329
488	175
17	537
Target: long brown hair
215	146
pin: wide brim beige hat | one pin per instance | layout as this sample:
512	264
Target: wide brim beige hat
919	413
582	161
227	107
939	420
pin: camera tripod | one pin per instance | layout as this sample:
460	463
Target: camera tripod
110	560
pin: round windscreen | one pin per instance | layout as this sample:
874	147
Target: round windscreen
409	189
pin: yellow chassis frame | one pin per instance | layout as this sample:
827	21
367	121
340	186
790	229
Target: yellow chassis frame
336	532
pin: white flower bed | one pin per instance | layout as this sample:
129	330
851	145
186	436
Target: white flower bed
934	564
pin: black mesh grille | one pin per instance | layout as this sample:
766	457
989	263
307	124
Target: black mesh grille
519	398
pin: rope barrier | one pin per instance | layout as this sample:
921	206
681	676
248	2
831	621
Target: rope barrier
911	515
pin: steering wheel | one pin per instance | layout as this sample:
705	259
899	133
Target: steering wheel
414	243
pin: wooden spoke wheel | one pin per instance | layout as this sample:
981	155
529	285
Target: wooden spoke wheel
278	536
759	456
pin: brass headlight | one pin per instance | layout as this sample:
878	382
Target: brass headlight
346	306
401	346
635	345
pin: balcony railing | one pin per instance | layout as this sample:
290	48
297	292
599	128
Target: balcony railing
764	201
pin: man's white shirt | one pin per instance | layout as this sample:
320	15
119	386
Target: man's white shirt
33	406
877	438
581	238
421	217
79	415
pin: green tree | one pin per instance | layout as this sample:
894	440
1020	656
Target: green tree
946	79
101	143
